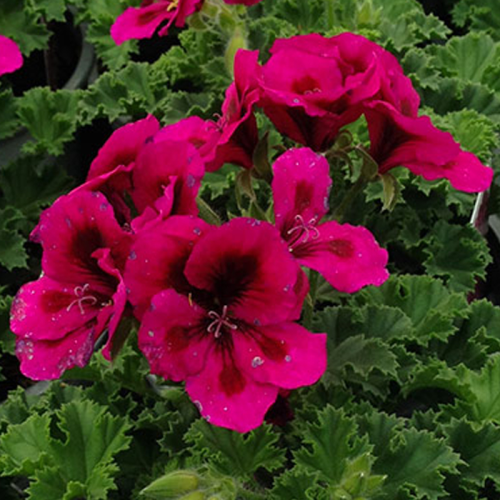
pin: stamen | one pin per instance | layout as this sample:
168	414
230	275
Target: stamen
219	320
173	5
307	227
81	298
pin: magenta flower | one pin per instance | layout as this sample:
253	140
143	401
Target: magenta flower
11	58
111	171
142	22
157	259
311	101
348	257
237	125
232	339
398	140
167	177
58	318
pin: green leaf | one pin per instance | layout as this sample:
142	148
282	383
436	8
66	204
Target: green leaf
413	461
31	183
469	58
12	252
52	10
25	447
234	453
10	123
474	131
429	305
332	442
485	386
296	484
479	448
480	15
22	26
457	253
50	118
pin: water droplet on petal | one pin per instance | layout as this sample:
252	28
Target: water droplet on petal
68	222
256	322
256	362
207	418
103	207
197	231
190	181
132	255
296	101
198	405
288	358
151	333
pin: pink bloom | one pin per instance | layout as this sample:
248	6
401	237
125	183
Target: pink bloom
58	318
111	171
167	177
415	143
142	22
11	58
233	339
157	259
312	100
347	256
238	129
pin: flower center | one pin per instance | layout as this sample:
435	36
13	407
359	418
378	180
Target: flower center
219	320
305	228
81	298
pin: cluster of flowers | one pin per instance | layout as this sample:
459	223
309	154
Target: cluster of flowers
11	58
142	22
218	305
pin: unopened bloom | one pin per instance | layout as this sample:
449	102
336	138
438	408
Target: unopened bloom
347	256
58	318
233	339
415	143
11	58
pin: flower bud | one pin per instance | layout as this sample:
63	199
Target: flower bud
173	485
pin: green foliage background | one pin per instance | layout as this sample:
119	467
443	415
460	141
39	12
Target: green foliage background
409	406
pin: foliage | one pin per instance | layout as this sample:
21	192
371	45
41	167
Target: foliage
408	406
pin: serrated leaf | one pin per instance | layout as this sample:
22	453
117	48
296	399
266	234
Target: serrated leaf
474	131
9	123
479	448
428	304
12	252
50	117
25	447
296	484
331	442
238	454
52	10
30	184
22	26
485	386
480	15
457	253
412	460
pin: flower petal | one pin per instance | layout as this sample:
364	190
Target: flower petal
301	186
285	355
157	164
11	58
141	22
348	257
71	230
228	398
172	336
48	359
246	266
158	256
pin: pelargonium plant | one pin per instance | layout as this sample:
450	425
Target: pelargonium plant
280	298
